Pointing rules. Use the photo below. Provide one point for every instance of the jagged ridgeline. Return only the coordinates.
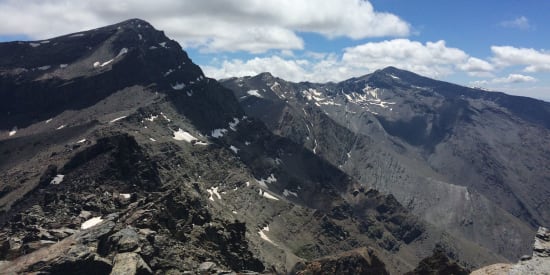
(118, 156)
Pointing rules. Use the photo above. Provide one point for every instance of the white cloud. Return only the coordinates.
(432, 59)
(514, 78)
(521, 23)
(510, 79)
(534, 60)
(477, 67)
(231, 25)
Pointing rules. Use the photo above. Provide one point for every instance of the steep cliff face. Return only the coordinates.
(118, 155)
(465, 160)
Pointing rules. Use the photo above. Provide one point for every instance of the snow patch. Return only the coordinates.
(270, 179)
(213, 191)
(165, 117)
(122, 52)
(152, 139)
(247, 143)
(178, 86)
(152, 118)
(77, 35)
(117, 119)
(152, 48)
(287, 193)
(61, 127)
(57, 179)
(91, 222)
(63, 66)
(266, 194)
(43, 68)
(140, 36)
(163, 44)
(234, 149)
(264, 236)
(81, 141)
(233, 125)
(218, 133)
(48, 121)
(34, 45)
(13, 131)
(168, 72)
(254, 93)
(183, 135)
(125, 195)
(393, 76)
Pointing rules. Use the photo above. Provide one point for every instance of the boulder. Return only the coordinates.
(125, 240)
(130, 264)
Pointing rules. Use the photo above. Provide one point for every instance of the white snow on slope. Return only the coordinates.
(183, 135)
(286, 193)
(34, 45)
(57, 179)
(61, 127)
(91, 222)
(270, 179)
(178, 86)
(218, 133)
(152, 118)
(393, 76)
(266, 194)
(233, 125)
(168, 72)
(213, 191)
(13, 131)
(254, 93)
(165, 117)
(234, 149)
(117, 119)
(264, 236)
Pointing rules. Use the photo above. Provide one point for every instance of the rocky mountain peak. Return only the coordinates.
(106, 59)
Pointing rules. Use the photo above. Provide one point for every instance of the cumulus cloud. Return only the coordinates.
(534, 60)
(510, 79)
(520, 23)
(248, 25)
(514, 78)
(477, 67)
(432, 59)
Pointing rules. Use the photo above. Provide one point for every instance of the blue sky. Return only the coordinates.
(498, 45)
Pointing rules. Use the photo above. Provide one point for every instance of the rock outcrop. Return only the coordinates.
(359, 261)
(536, 264)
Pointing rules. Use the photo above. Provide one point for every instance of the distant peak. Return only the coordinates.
(134, 22)
(265, 76)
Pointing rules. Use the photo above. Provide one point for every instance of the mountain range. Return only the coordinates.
(120, 156)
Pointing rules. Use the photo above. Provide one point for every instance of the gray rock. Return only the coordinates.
(541, 247)
(130, 264)
(125, 240)
(206, 266)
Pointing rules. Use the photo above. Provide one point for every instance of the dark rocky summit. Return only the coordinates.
(118, 156)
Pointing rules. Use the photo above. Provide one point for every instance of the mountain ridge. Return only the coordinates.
(157, 168)
(415, 130)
